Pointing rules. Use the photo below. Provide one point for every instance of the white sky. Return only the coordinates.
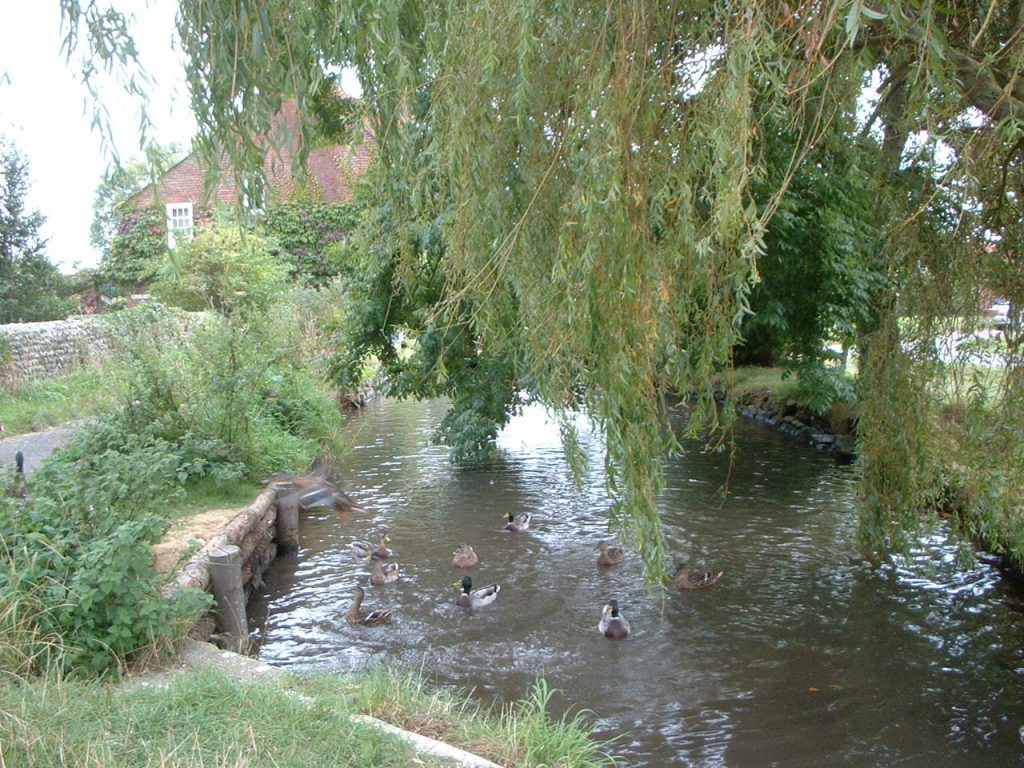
(44, 111)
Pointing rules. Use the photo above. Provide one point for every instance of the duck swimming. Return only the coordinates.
(378, 551)
(475, 598)
(612, 624)
(356, 614)
(465, 557)
(520, 522)
(609, 555)
(686, 580)
(384, 573)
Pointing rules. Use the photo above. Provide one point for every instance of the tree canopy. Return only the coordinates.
(31, 287)
(587, 187)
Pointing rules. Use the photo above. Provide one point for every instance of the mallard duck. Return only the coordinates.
(384, 573)
(609, 555)
(378, 551)
(612, 624)
(356, 614)
(517, 523)
(475, 598)
(465, 557)
(19, 486)
(686, 580)
(314, 491)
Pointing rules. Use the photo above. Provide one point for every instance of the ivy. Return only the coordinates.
(308, 233)
(137, 248)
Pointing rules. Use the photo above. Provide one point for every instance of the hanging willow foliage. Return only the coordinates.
(591, 164)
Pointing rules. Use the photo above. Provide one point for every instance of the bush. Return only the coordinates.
(79, 549)
(225, 268)
(211, 397)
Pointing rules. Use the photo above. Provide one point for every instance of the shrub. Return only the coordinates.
(225, 268)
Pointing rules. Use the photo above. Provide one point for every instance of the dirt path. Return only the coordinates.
(188, 534)
(36, 446)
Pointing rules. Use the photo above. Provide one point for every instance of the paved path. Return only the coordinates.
(36, 445)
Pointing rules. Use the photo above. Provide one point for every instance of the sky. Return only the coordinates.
(45, 112)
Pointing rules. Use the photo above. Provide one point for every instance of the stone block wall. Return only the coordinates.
(43, 350)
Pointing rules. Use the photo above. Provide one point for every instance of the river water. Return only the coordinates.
(803, 655)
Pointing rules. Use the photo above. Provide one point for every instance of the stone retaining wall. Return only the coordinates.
(836, 436)
(43, 350)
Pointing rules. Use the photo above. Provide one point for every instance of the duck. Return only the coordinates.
(384, 573)
(613, 624)
(609, 555)
(475, 598)
(311, 492)
(686, 580)
(464, 557)
(378, 551)
(356, 615)
(19, 486)
(520, 522)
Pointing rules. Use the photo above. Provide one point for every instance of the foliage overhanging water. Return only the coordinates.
(803, 655)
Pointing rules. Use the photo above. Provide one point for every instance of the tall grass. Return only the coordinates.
(522, 734)
(207, 719)
(27, 647)
(82, 393)
(200, 720)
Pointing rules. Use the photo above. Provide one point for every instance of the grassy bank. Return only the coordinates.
(40, 404)
(974, 482)
(208, 719)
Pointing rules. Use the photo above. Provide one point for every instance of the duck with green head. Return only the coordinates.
(475, 598)
(613, 624)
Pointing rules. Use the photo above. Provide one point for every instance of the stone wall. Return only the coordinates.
(43, 350)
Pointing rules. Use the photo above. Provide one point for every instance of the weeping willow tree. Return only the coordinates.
(588, 168)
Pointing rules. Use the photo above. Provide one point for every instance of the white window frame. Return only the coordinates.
(180, 223)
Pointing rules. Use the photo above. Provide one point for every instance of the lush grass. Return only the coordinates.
(207, 719)
(45, 403)
(207, 494)
(521, 735)
(749, 378)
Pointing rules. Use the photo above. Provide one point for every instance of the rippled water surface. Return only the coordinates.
(803, 655)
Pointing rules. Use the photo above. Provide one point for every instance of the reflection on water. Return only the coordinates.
(803, 655)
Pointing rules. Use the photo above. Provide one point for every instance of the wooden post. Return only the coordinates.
(288, 524)
(226, 578)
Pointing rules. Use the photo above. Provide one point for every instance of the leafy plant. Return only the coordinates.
(136, 250)
(307, 232)
(225, 268)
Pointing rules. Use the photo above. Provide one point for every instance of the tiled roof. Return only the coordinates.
(331, 170)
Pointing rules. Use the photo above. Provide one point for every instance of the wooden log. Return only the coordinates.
(288, 524)
(225, 567)
(259, 514)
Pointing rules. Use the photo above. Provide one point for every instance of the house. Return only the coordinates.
(332, 172)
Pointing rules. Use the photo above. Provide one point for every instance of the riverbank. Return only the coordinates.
(203, 715)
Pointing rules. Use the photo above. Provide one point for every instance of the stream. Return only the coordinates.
(805, 654)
